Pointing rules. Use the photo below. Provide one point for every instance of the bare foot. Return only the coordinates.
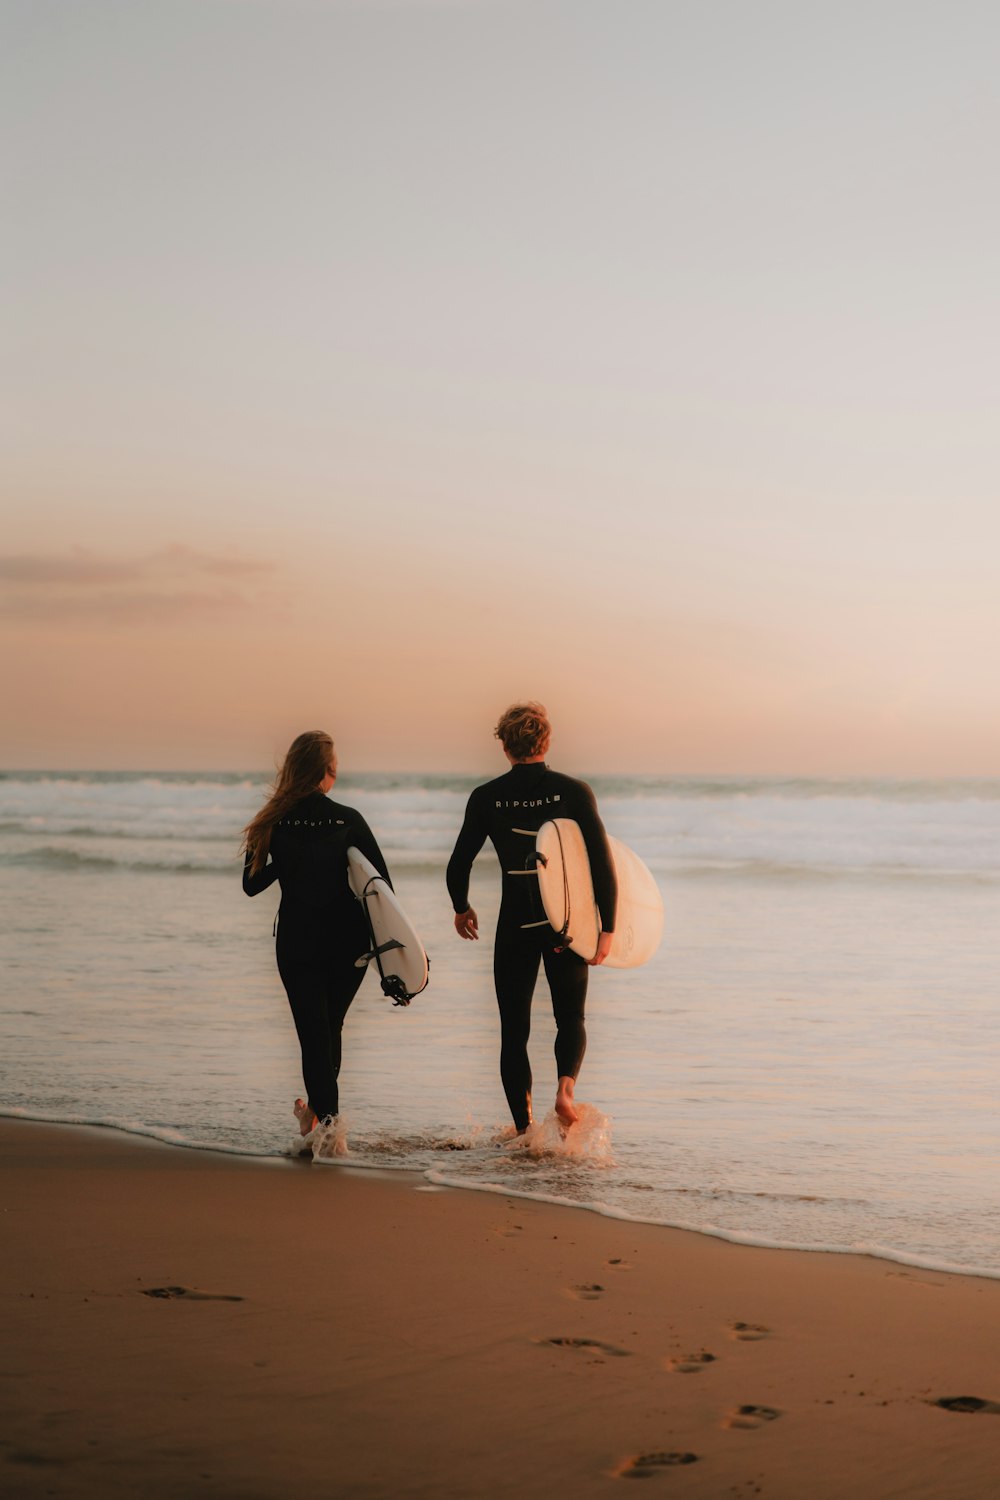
(307, 1120)
(564, 1102)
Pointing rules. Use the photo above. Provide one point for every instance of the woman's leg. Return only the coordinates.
(306, 990)
(319, 1002)
(342, 984)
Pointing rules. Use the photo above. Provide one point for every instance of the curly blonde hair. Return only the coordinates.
(524, 730)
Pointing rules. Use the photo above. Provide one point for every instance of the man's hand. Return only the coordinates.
(603, 948)
(467, 925)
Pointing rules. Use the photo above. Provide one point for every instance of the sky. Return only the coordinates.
(370, 364)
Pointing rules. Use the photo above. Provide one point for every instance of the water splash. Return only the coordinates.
(328, 1141)
(588, 1140)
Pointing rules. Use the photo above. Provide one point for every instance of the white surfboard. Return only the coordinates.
(396, 949)
(568, 896)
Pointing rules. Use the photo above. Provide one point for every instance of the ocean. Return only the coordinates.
(811, 1060)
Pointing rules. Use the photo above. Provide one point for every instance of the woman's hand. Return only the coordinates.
(603, 948)
(467, 925)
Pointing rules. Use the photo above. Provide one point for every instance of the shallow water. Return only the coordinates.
(811, 1059)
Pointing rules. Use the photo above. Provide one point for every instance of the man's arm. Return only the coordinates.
(470, 840)
(602, 866)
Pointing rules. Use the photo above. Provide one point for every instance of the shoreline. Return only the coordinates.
(438, 1178)
(368, 1333)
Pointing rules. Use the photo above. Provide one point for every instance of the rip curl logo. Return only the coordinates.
(532, 802)
(307, 823)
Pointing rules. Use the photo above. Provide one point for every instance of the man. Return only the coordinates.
(509, 811)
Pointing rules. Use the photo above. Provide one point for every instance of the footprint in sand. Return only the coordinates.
(645, 1465)
(189, 1293)
(36, 1460)
(595, 1344)
(748, 1333)
(969, 1404)
(747, 1418)
(914, 1280)
(587, 1291)
(690, 1364)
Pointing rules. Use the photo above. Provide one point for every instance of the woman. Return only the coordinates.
(300, 838)
(509, 811)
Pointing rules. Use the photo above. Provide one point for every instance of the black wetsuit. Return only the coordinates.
(509, 811)
(321, 929)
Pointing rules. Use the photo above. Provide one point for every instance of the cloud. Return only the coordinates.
(187, 559)
(85, 567)
(175, 585)
(79, 568)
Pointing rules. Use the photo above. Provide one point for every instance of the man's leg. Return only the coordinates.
(515, 969)
(567, 974)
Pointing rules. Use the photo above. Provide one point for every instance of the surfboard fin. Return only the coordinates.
(392, 985)
(366, 958)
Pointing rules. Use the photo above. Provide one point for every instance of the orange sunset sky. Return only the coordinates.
(369, 365)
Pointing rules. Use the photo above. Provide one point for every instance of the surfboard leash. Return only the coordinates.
(531, 863)
(531, 868)
(564, 931)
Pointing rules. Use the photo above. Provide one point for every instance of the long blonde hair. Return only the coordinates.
(310, 757)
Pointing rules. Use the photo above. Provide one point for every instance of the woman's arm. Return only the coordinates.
(363, 839)
(254, 884)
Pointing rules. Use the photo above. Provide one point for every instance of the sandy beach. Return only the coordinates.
(179, 1323)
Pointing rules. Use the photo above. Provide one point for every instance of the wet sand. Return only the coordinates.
(180, 1324)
